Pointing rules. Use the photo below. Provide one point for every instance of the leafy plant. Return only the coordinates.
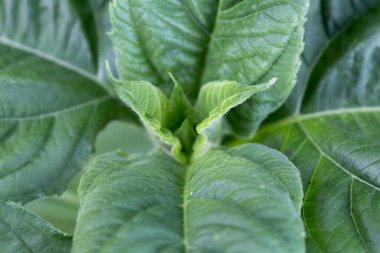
(201, 77)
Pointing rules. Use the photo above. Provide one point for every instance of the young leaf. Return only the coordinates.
(334, 142)
(22, 231)
(203, 41)
(180, 108)
(152, 107)
(214, 101)
(250, 200)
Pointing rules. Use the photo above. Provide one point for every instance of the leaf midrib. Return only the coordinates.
(297, 118)
(331, 159)
(64, 64)
(300, 118)
(57, 112)
(330, 40)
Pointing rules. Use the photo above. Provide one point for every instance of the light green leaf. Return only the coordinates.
(203, 41)
(231, 200)
(152, 107)
(334, 138)
(214, 101)
(22, 231)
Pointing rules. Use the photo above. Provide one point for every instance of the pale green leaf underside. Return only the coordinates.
(337, 153)
(251, 200)
(22, 231)
(203, 41)
(49, 117)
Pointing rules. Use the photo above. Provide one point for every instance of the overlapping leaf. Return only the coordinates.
(335, 140)
(199, 41)
(22, 231)
(249, 201)
(188, 130)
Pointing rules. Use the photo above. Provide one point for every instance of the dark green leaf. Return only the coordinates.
(334, 138)
(325, 50)
(50, 108)
(231, 200)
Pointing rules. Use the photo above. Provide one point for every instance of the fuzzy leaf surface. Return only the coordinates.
(249, 201)
(22, 231)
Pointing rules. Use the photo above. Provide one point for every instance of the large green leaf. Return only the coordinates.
(50, 108)
(51, 27)
(94, 16)
(334, 141)
(22, 231)
(326, 20)
(250, 201)
(203, 41)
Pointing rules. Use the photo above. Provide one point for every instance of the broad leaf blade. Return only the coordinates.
(333, 136)
(22, 231)
(337, 153)
(49, 118)
(326, 20)
(203, 41)
(50, 27)
(150, 204)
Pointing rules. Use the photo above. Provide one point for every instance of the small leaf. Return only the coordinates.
(214, 101)
(152, 106)
(232, 200)
(180, 107)
(22, 231)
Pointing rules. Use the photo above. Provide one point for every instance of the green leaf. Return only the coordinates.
(50, 108)
(337, 153)
(214, 101)
(329, 45)
(152, 107)
(22, 231)
(180, 108)
(53, 28)
(204, 41)
(232, 200)
(333, 139)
